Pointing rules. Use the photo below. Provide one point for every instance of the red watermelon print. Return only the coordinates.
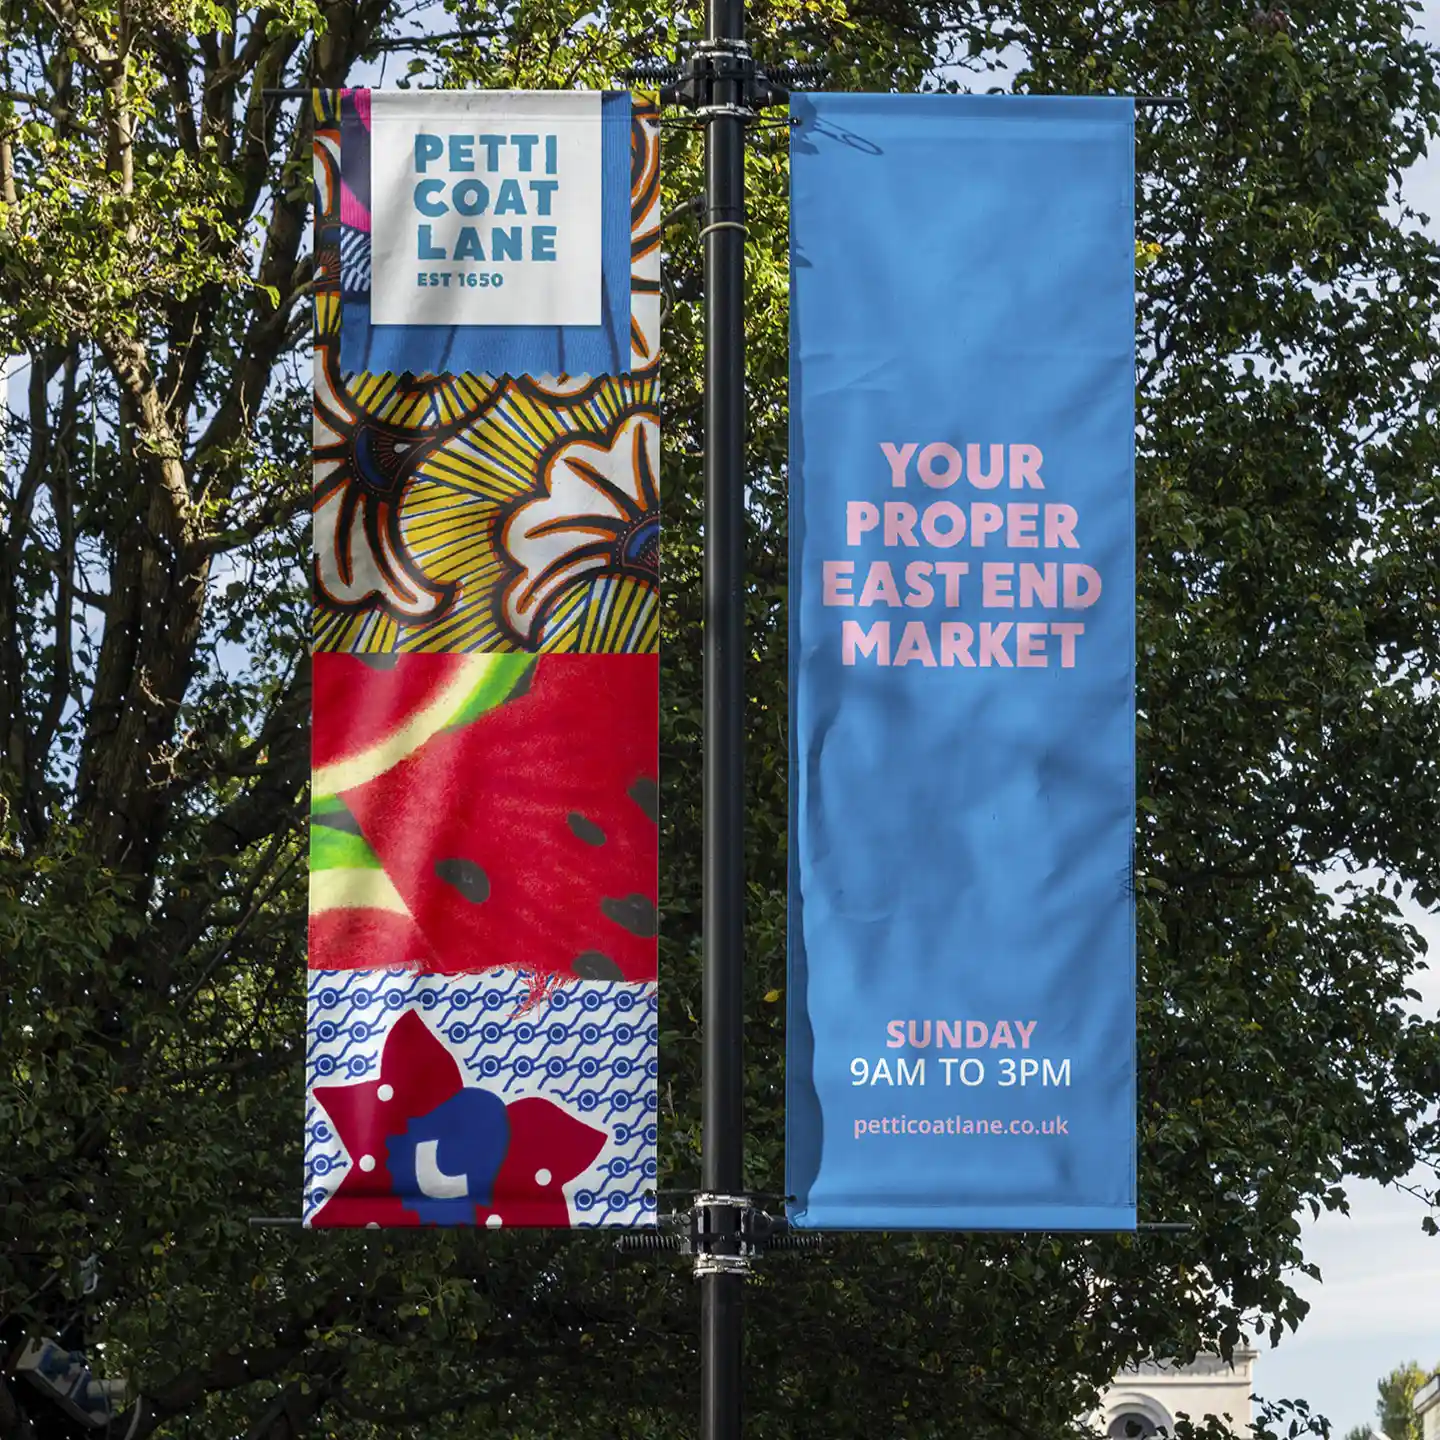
(370, 711)
(362, 700)
(527, 837)
(356, 937)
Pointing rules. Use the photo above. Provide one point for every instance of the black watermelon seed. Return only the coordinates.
(378, 661)
(467, 877)
(592, 965)
(586, 830)
(635, 913)
(646, 794)
(336, 820)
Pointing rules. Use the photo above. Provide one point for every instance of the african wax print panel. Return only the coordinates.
(482, 1044)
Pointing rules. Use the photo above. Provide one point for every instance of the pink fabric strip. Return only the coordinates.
(352, 213)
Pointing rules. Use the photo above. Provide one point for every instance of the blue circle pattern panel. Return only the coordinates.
(590, 1048)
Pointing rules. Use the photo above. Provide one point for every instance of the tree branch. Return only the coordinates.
(278, 512)
(62, 505)
(18, 748)
(170, 510)
(223, 1373)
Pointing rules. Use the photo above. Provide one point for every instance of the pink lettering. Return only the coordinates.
(995, 579)
(899, 458)
(952, 570)
(985, 479)
(1067, 634)
(835, 574)
(1020, 527)
(1039, 585)
(857, 641)
(915, 645)
(1025, 463)
(880, 585)
(1075, 597)
(985, 519)
(992, 644)
(1060, 527)
(1030, 645)
(900, 523)
(922, 592)
(939, 479)
(860, 517)
(930, 523)
(956, 638)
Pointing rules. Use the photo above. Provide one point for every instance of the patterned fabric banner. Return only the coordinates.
(483, 842)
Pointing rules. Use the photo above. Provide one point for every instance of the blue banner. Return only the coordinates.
(961, 1051)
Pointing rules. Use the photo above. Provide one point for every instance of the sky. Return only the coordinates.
(1378, 1305)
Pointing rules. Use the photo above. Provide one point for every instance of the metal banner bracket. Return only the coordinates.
(724, 1234)
(726, 65)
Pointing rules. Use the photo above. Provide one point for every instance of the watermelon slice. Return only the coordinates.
(368, 711)
(355, 937)
(357, 918)
(527, 837)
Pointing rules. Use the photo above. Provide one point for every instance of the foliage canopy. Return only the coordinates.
(154, 268)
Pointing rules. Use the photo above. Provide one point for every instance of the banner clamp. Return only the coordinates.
(728, 63)
(715, 1248)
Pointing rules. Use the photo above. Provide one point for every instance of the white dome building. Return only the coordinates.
(1427, 1407)
(1144, 1401)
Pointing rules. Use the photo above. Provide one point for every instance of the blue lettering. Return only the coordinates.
(544, 189)
(425, 249)
(550, 148)
(427, 148)
(506, 244)
(424, 204)
(462, 152)
(542, 242)
(467, 244)
(471, 197)
(525, 144)
(492, 144)
(510, 201)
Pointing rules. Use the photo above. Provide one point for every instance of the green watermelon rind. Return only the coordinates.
(332, 849)
(494, 686)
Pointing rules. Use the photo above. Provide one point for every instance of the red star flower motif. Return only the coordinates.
(425, 1148)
